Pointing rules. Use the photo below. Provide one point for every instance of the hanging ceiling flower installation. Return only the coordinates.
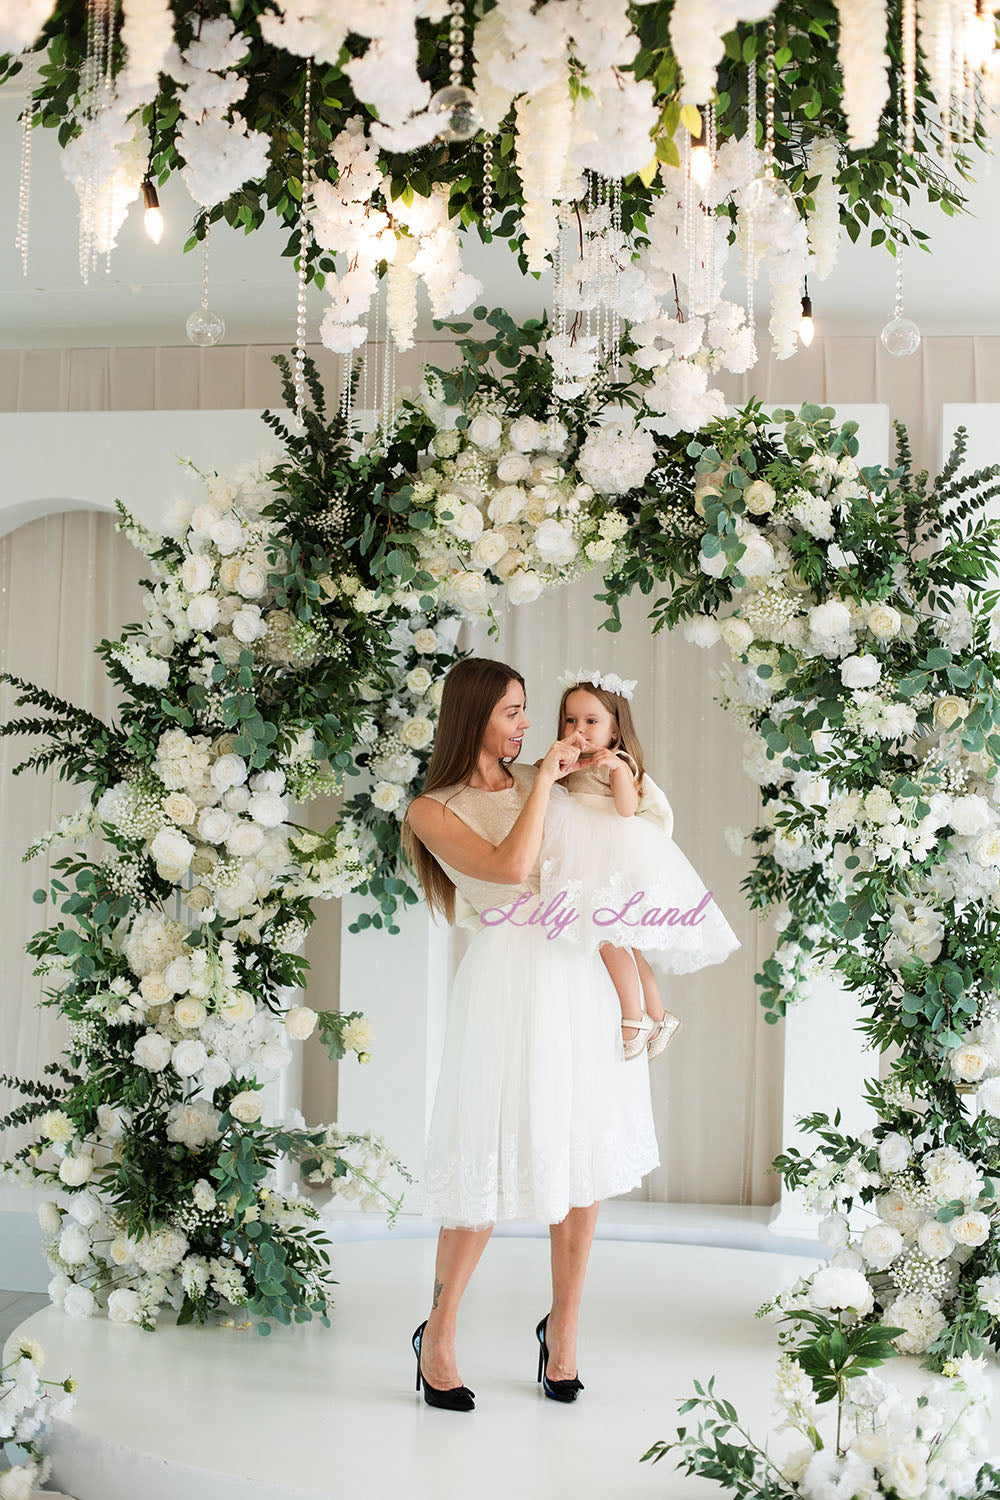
(657, 157)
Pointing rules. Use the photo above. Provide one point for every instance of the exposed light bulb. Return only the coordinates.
(387, 244)
(979, 39)
(152, 218)
(701, 165)
(807, 328)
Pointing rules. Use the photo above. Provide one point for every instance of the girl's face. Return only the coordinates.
(507, 723)
(586, 718)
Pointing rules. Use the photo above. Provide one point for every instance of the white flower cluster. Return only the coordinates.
(512, 514)
(929, 1446)
(28, 1404)
(526, 55)
(106, 162)
(398, 737)
(220, 154)
(823, 224)
(864, 63)
(697, 28)
(345, 220)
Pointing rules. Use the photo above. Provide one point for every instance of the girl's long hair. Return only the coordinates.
(472, 690)
(625, 737)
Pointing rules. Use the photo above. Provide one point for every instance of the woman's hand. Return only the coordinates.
(560, 758)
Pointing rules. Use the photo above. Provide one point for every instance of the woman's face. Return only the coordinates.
(586, 718)
(507, 724)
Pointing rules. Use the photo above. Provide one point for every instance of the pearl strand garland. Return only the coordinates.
(24, 172)
(456, 42)
(303, 274)
(751, 247)
(769, 101)
(487, 180)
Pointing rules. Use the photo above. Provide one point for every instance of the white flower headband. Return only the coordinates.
(610, 682)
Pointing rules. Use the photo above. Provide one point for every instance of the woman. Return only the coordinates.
(534, 1115)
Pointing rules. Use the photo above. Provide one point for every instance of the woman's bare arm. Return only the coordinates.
(506, 863)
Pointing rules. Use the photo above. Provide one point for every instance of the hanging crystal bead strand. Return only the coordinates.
(909, 51)
(24, 173)
(107, 97)
(304, 238)
(748, 209)
(616, 321)
(204, 327)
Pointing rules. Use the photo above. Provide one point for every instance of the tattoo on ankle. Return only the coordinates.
(438, 1289)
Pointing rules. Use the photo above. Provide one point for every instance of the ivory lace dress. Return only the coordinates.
(600, 862)
(535, 1113)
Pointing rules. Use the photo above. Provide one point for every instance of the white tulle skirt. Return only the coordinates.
(628, 884)
(535, 1112)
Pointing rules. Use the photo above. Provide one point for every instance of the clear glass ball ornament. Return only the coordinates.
(768, 191)
(900, 337)
(204, 327)
(458, 110)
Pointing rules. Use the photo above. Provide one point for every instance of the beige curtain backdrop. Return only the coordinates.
(69, 580)
(66, 582)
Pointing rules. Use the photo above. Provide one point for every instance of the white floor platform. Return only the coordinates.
(218, 1414)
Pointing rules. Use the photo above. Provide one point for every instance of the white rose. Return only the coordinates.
(512, 466)
(245, 1107)
(228, 771)
(758, 558)
(267, 809)
(189, 1057)
(489, 549)
(123, 1305)
(203, 518)
(986, 849)
(227, 534)
(214, 824)
(702, 630)
(883, 621)
(948, 709)
(248, 624)
(523, 586)
(894, 1152)
(525, 435)
(425, 640)
(244, 839)
(759, 497)
(203, 612)
(152, 1051)
(935, 1240)
(737, 634)
(120, 1251)
(434, 693)
(239, 1008)
(469, 591)
(386, 796)
(969, 814)
(215, 1074)
(300, 1022)
(179, 808)
(860, 671)
(833, 1231)
(418, 680)
(905, 1470)
(880, 1245)
(251, 580)
(969, 1062)
(78, 1302)
(74, 1171)
(715, 565)
(971, 1228)
(237, 799)
(189, 1013)
(197, 573)
(417, 733)
(506, 505)
(172, 849)
(485, 430)
(988, 1096)
(466, 523)
(555, 542)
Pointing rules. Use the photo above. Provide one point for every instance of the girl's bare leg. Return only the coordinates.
(650, 988)
(620, 965)
(571, 1240)
(458, 1255)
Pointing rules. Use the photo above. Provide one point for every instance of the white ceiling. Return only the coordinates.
(151, 289)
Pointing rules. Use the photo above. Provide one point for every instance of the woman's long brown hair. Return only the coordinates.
(621, 715)
(472, 690)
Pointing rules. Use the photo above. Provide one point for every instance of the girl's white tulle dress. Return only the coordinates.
(626, 880)
(535, 1113)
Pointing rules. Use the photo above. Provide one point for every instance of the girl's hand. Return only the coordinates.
(560, 758)
(607, 758)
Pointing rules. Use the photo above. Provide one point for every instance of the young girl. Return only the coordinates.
(609, 854)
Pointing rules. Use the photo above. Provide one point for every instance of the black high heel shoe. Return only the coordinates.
(457, 1398)
(559, 1390)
